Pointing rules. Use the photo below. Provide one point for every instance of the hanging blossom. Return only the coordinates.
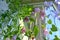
(24, 37)
(26, 19)
(56, 1)
(23, 30)
(14, 37)
(21, 22)
(48, 3)
(56, 15)
(58, 4)
(45, 3)
(45, 31)
(32, 13)
(59, 7)
(33, 39)
(37, 10)
(42, 14)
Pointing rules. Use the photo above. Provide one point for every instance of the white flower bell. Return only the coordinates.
(21, 22)
(25, 38)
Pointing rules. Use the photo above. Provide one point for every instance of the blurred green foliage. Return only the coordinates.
(50, 32)
(34, 31)
(15, 12)
(54, 28)
(56, 38)
(49, 21)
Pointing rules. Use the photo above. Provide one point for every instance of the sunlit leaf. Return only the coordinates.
(35, 30)
(50, 32)
(56, 38)
(32, 19)
(54, 28)
(28, 32)
(30, 9)
(43, 26)
(49, 21)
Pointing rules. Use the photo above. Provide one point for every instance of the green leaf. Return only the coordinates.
(43, 26)
(35, 30)
(54, 28)
(28, 33)
(30, 9)
(49, 21)
(18, 38)
(50, 32)
(0, 25)
(44, 38)
(56, 38)
(32, 19)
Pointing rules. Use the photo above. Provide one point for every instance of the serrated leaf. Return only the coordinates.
(49, 21)
(54, 28)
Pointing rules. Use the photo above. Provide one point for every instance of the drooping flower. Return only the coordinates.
(25, 38)
(45, 32)
(55, 13)
(32, 13)
(26, 19)
(45, 3)
(42, 14)
(21, 22)
(58, 17)
(59, 7)
(14, 37)
(33, 38)
(56, 1)
(23, 30)
(48, 3)
(37, 9)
